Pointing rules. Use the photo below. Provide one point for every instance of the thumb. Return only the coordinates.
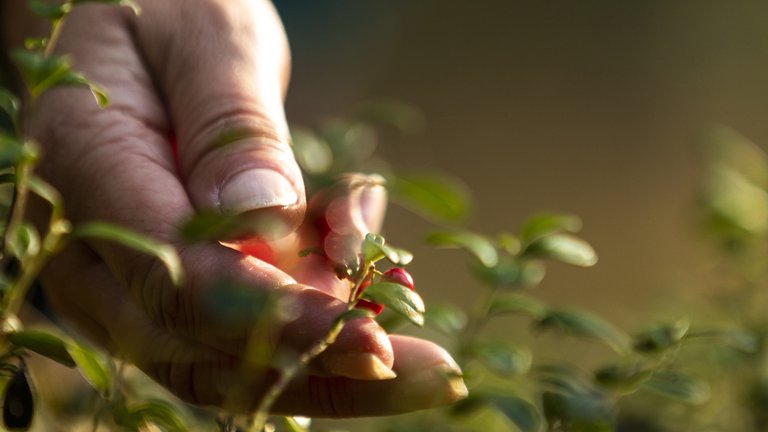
(223, 71)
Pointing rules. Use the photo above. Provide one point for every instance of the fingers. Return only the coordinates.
(115, 165)
(337, 220)
(427, 377)
(223, 67)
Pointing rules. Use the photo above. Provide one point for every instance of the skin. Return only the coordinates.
(213, 74)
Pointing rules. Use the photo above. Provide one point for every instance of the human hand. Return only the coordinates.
(212, 74)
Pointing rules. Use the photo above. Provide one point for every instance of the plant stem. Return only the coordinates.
(477, 320)
(18, 290)
(56, 26)
(19, 204)
(287, 374)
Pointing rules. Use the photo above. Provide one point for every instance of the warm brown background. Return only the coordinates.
(589, 107)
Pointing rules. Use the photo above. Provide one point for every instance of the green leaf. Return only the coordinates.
(296, 424)
(519, 411)
(734, 203)
(435, 197)
(584, 411)
(447, 318)
(24, 240)
(9, 104)
(45, 191)
(44, 343)
(207, 226)
(741, 340)
(351, 143)
(517, 304)
(401, 115)
(588, 325)
(502, 358)
(96, 368)
(399, 298)
(159, 413)
(353, 314)
(52, 12)
(41, 73)
(33, 44)
(726, 147)
(564, 248)
(312, 153)
(471, 404)
(38, 71)
(511, 272)
(477, 245)
(375, 248)
(626, 378)
(679, 387)
(126, 3)
(78, 79)
(11, 150)
(561, 378)
(133, 240)
(661, 337)
(541, 225)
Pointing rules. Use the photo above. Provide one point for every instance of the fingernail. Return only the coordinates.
(256, 189)
(373, 204)
(434, 387)
(362, 366)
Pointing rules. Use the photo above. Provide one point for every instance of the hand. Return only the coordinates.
(212, 74)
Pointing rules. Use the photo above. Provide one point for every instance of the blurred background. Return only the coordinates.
(589, 107)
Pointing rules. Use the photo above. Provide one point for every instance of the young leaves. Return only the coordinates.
(9, 104)
(584, 324)
(517, 304)
(446, 318)
(564, 248)
(519, 411)
(502, 358)
(678, 387)
(399, 298)
(94, 367)
(545, 224)
(374, 248)
(41, 72)
(133, 240)
(433, 196)
(52, 12)
(156, 412)
(44, 343)
(476, 245)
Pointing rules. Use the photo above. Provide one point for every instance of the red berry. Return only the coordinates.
(371, 306)
(399, 276)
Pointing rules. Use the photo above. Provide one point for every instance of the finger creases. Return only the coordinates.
(224, 94)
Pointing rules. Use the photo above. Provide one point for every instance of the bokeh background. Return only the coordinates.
(590, 107)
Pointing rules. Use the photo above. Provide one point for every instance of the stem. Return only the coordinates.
(287, 374)
(19, 204)
(18, 290)
(56, 29)
(477, 321)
